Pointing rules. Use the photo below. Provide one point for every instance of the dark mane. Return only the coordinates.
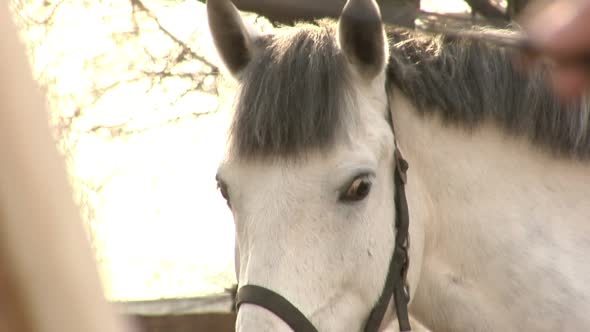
(291, 95)
(468, 82)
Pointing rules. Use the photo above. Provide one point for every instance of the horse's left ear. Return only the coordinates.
(362, 38)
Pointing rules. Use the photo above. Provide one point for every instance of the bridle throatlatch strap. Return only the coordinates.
(395, 282)
(276, 304)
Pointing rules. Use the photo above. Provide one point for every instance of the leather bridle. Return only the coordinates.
(395, 282)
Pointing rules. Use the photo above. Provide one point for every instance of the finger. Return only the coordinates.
(569, 82)
(524, 61)
(560, 28)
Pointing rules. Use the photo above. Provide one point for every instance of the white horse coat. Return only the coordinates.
(497, 187)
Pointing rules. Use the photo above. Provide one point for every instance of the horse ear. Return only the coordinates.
(230, 35)
(362, 38)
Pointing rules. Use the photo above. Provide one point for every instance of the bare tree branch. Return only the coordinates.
(47, 19)
(142, 7)
(123, 129)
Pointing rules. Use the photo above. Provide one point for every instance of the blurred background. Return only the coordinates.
(139, 103)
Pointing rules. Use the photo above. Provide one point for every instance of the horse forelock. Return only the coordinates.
(294, 95)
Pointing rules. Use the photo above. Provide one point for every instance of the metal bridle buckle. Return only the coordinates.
(406, 267)
(407, 291)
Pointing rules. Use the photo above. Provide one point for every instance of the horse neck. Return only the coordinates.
(497, 195)
(484, 165)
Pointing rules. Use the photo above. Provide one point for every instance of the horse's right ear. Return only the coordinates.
(362, 38)
(231, 38)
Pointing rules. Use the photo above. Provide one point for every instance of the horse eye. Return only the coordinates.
(357, 190)
(222, 187)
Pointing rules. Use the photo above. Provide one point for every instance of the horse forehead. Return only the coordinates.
(352, 150)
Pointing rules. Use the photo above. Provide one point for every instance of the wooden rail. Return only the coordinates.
(203, 314)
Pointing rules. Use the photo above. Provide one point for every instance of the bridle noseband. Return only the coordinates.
(395, 282)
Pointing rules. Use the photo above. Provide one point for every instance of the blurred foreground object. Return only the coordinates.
(561, 30)
(48, 279)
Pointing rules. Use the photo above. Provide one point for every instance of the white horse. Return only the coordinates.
(497, 188)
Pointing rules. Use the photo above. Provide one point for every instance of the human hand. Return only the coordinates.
(561, 32)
